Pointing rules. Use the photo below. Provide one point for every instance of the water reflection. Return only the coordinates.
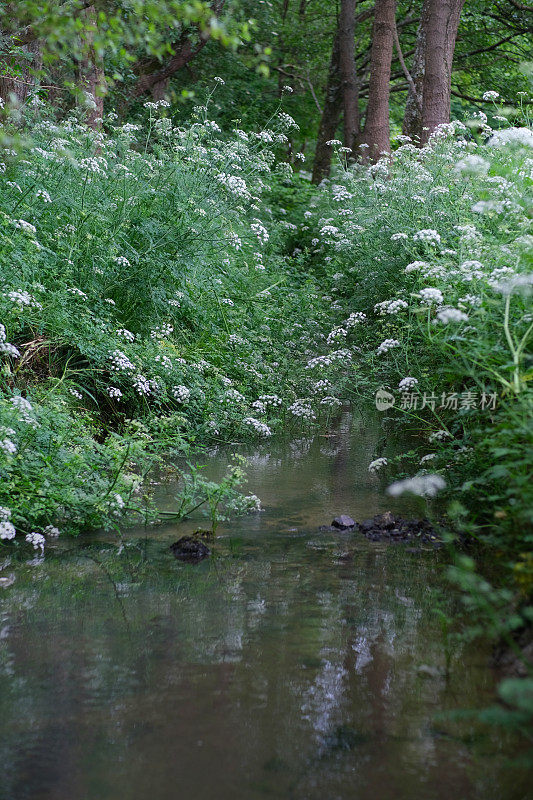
(275, 669)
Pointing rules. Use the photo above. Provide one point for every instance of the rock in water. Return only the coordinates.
(388, 526)
(343, 522)
(188, 548)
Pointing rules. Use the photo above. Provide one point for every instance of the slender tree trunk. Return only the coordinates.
(442, 24)
(377, 125)
(281, 46)
(349, 85)
(330, 116)
(91, 76)
(412, 121)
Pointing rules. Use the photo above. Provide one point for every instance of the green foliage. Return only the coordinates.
(145, 304)
(434, 250)
(218, 500)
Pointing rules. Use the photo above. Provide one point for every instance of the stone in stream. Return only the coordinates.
(389, 526)
(189, 548)
(343, 522)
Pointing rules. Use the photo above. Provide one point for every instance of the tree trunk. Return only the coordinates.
(412, 121)
(442, 24)
(14, 90)
(330, 116)
(349, 85)
(377, 125)
(91, 75)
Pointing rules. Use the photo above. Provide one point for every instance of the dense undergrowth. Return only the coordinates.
(165, 285)
(430, 253)
(146, 305)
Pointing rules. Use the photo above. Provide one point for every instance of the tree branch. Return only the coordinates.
(406, 72)
(186, 53)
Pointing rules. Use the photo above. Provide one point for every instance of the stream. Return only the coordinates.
(293, 664)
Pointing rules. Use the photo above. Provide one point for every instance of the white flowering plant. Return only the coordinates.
(441, 291)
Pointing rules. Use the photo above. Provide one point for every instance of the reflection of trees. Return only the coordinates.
(277, 670)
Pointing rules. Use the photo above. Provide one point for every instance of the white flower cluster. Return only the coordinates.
(336, 334)
(234, 241)
(407, 383)
(233, 396)
(330, 400)
(234, 184)
(471, 269)
(181, 393)
(7, 529)
(25, 409)
(447, 315)
(427, 235)
(421, 485)
(322, 386)
(23, 299)
(470, 300)
(329, 230)
(258, 426)
(390, 307)
(386, 345)
(522, 284)
(302, 408)
(378, 464)
(438, 436)
(287, 121)
(95, 164)
(6, 443)
(5, 346)
(120, 362)
(270, 399)
(355, 318)
(472, 165)
(142, 385)
(512, 136)
(113, 392)
(336, 356)
(42, 193)
(431, 295)
(260, 231)
(22, 225)
(37, 540)
(77, 292)
(160, 103)
(162, 331)
(165, 361)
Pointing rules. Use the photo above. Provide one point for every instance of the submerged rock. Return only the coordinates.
(342, 522)
(389, 526)
(189, 548)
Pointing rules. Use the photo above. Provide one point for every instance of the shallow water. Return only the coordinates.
(292, 664)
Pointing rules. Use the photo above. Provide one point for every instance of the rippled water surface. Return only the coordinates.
(292, 664)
